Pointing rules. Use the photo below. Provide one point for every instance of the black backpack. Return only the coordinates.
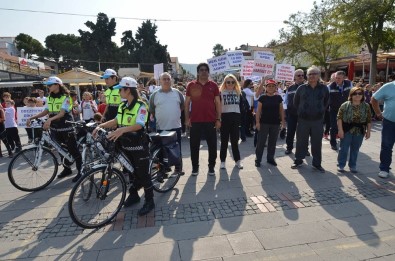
(244, 105)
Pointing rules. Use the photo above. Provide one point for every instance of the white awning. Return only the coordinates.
(16, 84)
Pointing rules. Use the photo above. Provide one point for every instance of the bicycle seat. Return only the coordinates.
(165, 137)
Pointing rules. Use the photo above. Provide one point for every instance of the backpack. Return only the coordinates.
(244, 105)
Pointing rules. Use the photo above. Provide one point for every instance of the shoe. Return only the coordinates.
(65, 172)
(272, 162)
(147, 207)
(239, 164)
(222, 166)
(353, 170)
(131, 200)
(283, 133)
(384, 174)
(18, 149)
(176, 173)
(287, 152)
(167, 169)
(10, 154)
(195, 171)
(211, 171)
(334, 147)
(319, 168)
(77, 177)
(296, 164)
(340, 169)
(308, 154)
(257, 164)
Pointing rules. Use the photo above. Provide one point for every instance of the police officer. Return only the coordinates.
(58, 108)
(338, 92)
(113, 99)
(130, 121)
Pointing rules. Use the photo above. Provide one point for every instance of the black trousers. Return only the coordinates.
(230, 129)
(196, 132)
(292, 122)
(314, 131)
(3, 137)
(68, 140)
(270, 132)
(327, 122)
(13, 137)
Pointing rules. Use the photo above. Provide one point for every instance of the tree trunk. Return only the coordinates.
(373, 67)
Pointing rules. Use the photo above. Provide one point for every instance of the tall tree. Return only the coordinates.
(366, 22)
(218, 50)
(96, 43)
(29, 44)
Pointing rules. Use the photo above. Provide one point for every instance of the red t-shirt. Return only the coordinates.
(101, 108)
(203, 101)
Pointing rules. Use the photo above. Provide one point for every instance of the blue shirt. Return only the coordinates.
(387, 94)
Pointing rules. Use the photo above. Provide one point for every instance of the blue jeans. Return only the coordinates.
(352, 143)
(387, 143)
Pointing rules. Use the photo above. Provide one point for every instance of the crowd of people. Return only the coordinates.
(307, 108)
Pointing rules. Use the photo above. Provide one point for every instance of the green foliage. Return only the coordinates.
(29, 44)
(218, 50)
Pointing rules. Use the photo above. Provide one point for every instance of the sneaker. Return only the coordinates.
(18, 149)
(287, 152)
(211, 171)
(296, 164)
(383, 174)
(195, 171)
(222, 166)
(257, 164)
(334, 147)
(353, 170)
(272, 162)
(65, 172)
(131, 200)
(340, 169)
(77, 177)
(176, 173)
(319, 168)
(147, 207)
(239, 164)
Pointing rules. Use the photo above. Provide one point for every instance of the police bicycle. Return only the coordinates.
(98, 196)
(35, 167)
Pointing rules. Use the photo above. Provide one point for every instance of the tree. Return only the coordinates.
(366, 22)
(218, 50)
(96, 43)
(29, 44)
(309, 36)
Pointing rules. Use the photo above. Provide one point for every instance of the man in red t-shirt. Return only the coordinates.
(203, 115)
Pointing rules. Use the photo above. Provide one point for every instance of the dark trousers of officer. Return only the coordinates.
(292, 122)
(68, 139)
(196, 132)
(334, 130)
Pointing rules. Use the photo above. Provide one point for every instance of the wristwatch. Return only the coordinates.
(218, 120)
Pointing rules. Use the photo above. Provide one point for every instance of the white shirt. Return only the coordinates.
(249, 96)
(88, 109)
(10, 121)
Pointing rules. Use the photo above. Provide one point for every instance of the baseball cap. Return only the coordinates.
(126, 82)
(270, 81)
(53, 80)
(108, 73)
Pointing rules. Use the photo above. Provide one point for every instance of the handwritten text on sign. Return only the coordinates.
(218, 64)
(285, 72)
(259, 55)
(235, 58)
(246, 68)
(263, 68)
(26, 112)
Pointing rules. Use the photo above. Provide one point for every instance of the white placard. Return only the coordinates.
(23, 113)
(285, 72)
(263, 68)
(247, 67)
(235, 58)
(260, 55)
(218, 64)
(253, 78)
(158, 70)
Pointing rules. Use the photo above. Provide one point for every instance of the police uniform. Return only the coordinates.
(113, 99)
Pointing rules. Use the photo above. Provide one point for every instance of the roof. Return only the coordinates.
(81, 77)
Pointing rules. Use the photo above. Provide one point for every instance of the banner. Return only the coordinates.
(158, 70)
(263, 68)
(235, 58)
(255, 79)
(23, 113)
(246, 68)
(218, 64)
(260, 55)
(31, 64)
(285, 72)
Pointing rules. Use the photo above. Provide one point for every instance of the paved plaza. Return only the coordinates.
(266, 213)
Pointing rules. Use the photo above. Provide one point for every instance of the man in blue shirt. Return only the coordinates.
(386, 94)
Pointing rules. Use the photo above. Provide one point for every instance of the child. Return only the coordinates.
(3, 134)
(88, 107)
(29, 102)
(11, 126)
(97, 117)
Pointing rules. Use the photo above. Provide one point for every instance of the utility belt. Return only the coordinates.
(113, 105)
(65, 129)
(348, 126)
(134, 141)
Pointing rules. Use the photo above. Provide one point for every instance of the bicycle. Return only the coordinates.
(34, 168)
(98, 196)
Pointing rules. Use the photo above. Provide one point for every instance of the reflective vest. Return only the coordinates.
(128, 116)
(54, 107)
(112, 97)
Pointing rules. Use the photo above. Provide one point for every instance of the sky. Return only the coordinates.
(190, 29)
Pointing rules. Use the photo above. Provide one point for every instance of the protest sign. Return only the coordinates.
(235, 58)
(158, 70)
(260, 55)
(284, 72)
(263, 68)
(218, 64)
(253, 78)
(247, 67)
(23, 113)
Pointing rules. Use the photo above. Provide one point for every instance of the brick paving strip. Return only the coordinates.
(201, 211)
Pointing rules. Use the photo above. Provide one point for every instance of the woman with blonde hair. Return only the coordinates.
(230, 92)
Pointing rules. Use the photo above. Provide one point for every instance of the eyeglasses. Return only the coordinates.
(357, 93)
(299, 75)
(312, 74)
(230, 82)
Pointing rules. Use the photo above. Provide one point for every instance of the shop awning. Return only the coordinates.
(16, 84)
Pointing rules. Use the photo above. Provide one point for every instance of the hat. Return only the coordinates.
(270, 81)
(126, 82)
(53, 80)
(108, 73)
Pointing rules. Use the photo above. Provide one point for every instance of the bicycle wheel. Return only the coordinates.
(162, 181)
(27, 174)
(91, 203)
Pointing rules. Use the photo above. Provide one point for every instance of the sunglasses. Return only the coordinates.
(357, 93)
(230, 82)
(299, 75)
